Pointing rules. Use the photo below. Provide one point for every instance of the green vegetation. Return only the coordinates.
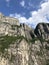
(47, 63)
(33, 40)
(5, 41)
(43, 40)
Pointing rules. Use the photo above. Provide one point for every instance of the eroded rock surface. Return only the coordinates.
(22, 45)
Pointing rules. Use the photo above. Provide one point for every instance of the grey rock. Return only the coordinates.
(23, 45)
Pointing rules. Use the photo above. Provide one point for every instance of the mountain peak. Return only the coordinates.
(42, 30)
(22, 45)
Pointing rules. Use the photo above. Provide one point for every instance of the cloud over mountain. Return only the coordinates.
(41, 15)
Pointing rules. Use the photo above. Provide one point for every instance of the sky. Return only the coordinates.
(30, 12)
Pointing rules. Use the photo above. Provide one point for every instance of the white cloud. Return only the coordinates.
(15, 15)
(7, 0)
(22, 3)
(42, 15)
(21, 19)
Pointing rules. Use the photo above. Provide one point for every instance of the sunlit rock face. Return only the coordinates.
(9, 20)
(11, 26)
(23, 53)
(22, 45)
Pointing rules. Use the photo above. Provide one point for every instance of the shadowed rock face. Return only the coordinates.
(22, 45)
(42, 30)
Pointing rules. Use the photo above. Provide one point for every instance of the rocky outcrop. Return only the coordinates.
(42, 30)
(22, 52)
(22, 45)
(9, 20)
(12, 27)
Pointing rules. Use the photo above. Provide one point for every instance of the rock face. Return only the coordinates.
(12, 27)
(22, 45)
(42, 30)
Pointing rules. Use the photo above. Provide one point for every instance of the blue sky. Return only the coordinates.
(30, 12)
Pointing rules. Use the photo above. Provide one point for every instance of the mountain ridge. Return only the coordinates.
(22, 45)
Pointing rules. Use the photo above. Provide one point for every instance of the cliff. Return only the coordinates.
(42, 30)
(22, 45)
